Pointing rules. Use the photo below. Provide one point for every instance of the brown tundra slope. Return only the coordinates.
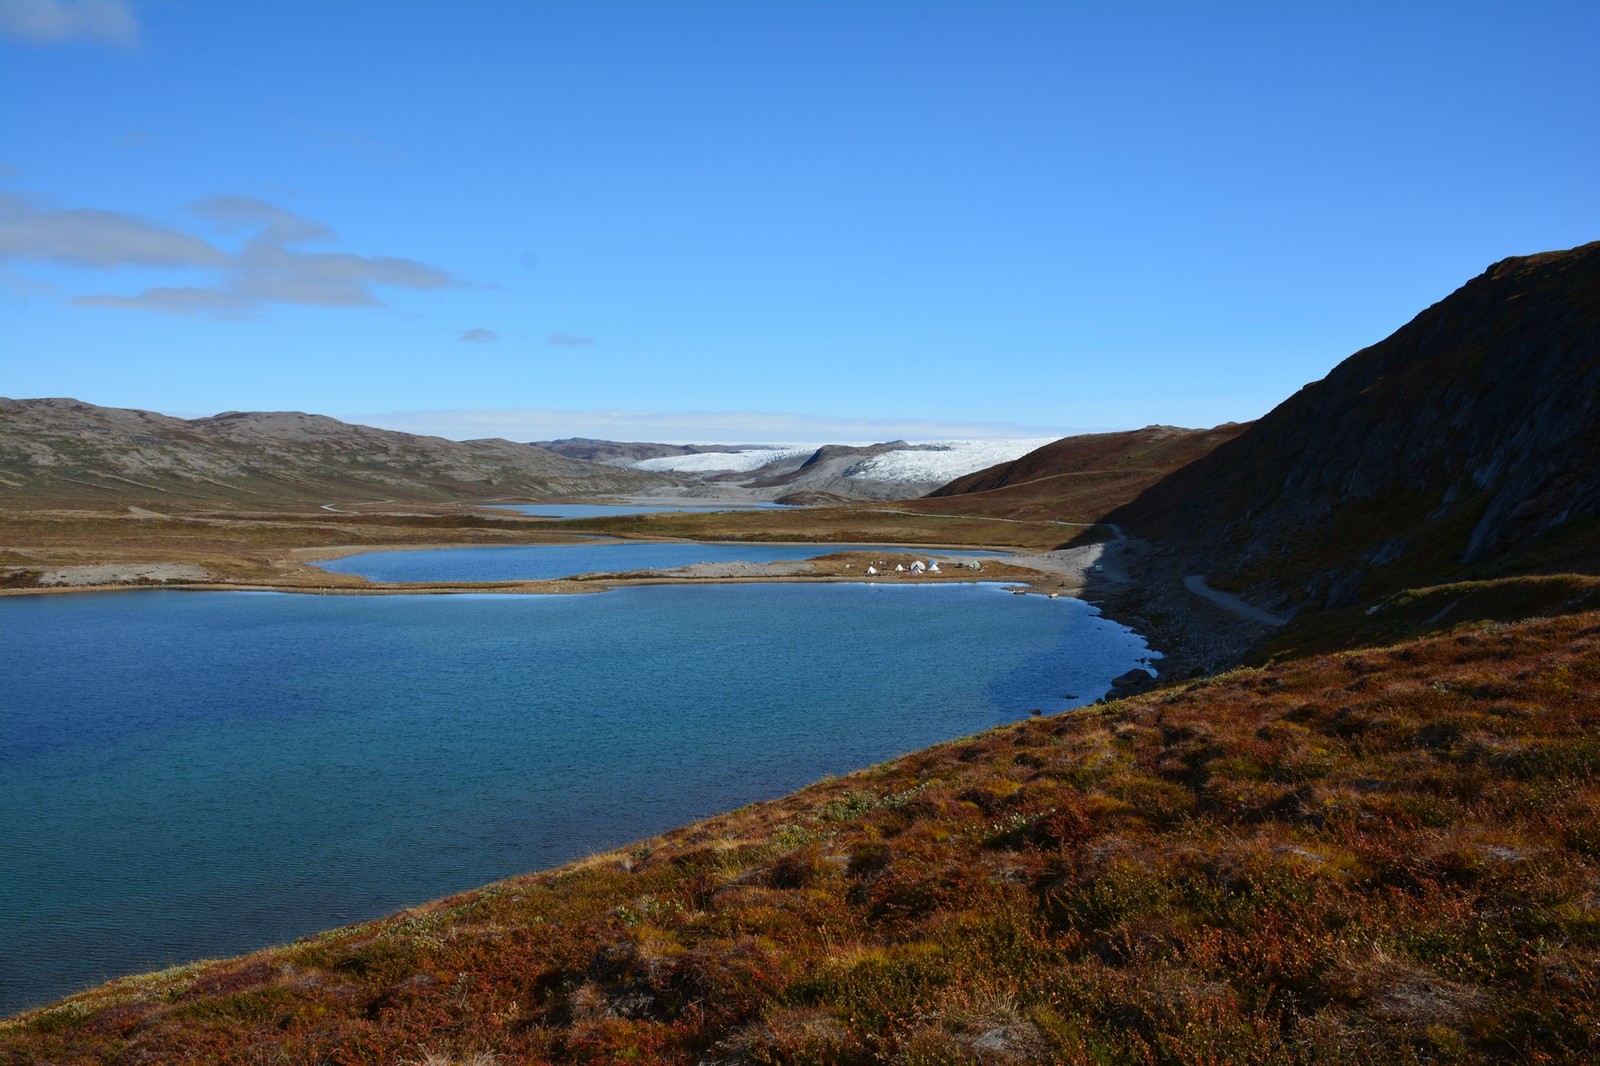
(1387, 856)
(1077, 479)
(64, 453)
(1466, 445)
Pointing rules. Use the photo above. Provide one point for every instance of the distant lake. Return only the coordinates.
(602, 510)
(187, 775)
(545, 562)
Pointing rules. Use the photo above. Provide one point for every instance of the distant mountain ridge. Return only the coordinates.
(1466, 444)
(63, 452)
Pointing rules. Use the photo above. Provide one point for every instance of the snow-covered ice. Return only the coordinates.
(718, 462)
(952, 459)
(948, 459)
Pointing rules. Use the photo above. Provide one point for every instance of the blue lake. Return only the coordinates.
(602, 510)
(544, 562)
(187, 775)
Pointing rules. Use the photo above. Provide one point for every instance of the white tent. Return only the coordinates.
(917, 567)
(933, 567)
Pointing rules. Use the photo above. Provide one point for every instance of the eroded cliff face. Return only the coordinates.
(1466, 444)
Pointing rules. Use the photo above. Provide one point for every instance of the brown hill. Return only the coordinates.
(1077, 479)
(65, 453)
(1463, 446)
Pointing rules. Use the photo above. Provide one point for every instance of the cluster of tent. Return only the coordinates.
(916, 567)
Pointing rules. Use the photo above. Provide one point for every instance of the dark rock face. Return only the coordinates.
(1130, 683)
(1449, 449)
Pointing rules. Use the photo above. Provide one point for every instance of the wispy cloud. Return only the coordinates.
(235, 213)
(176, 300)
(82, 237)
(479, 336)
(703, 427)
(265, 273)
(566, 340)
(263, 270)
(61, 21)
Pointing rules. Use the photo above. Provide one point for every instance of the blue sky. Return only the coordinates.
(763, 220)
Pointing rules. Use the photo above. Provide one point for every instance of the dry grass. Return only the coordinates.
(1387, 855)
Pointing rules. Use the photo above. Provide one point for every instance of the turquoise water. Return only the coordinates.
(187, 775)
(544, 562)
(602, 510)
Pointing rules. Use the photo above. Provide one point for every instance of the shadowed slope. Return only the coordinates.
(1462, 446)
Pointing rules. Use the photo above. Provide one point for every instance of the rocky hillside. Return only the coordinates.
(60, 452)
(1463, 446)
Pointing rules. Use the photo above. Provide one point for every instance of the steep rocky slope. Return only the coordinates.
(1464, 445)
(61, 452)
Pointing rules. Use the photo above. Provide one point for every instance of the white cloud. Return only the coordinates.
(60, 21)
(567, 340)
(263, 271)
(479, 336)
(694, 427)
(105, 239)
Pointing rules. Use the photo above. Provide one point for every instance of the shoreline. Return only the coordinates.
(1124, 579)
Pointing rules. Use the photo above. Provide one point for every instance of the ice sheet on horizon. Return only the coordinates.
(718, 462)
(952, 459)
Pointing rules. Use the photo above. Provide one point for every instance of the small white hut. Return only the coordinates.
(899, 569)
(917, 567)
(871, 570)
(933, 566)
